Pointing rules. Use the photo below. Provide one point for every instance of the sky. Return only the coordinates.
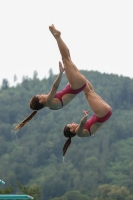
(98, 33)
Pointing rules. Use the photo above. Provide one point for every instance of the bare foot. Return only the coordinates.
(54, 31)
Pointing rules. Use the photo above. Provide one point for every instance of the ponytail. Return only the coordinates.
(25, 121)
(67, 133)
(66, 145)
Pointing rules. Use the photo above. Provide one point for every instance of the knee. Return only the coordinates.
(87, 93)
(87, 90)
(89, 85)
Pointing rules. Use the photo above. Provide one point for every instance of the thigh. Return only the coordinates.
(97, 104)
(75, 78)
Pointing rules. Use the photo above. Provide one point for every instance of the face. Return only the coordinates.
(72, 126)
(42, 98)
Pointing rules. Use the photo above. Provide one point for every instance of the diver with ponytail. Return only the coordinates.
(102, 112)
(56, 100)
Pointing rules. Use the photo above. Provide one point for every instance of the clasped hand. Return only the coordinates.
(85, 112)
(62, 69)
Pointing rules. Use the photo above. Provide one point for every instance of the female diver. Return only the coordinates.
(102, 112)
(56, 100)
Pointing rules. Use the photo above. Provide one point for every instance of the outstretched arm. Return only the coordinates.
(80, 128)
(55, 84)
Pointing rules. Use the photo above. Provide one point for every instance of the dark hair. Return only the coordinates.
(27, 119)
(34, 104)
(69, 135)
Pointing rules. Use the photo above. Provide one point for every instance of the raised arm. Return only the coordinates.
(80, 128)
(55, 84)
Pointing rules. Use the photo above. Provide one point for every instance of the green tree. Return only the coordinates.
(33, 191)
(5, 84)
(6, 190)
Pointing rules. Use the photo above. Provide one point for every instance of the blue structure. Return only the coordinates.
(2, 182)
(15, 197)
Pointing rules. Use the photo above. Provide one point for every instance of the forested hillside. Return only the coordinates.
(99, 167)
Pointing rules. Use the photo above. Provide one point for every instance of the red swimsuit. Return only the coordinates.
(94, 119)
(67, 90)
